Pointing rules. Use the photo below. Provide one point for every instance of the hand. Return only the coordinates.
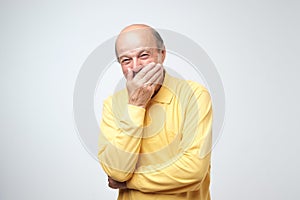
(116, 184)
(142, 86)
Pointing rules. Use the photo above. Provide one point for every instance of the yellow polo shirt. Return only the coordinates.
(162, 152)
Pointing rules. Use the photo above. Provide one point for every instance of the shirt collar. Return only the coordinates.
(164, 95)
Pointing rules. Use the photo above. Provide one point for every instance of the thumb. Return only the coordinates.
(129, 74)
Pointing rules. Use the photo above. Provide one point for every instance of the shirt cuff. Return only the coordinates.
(133, 120)
(136, 114)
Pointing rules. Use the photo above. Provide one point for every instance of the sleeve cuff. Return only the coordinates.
(136, 114)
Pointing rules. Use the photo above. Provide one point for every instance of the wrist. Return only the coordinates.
(136, 103)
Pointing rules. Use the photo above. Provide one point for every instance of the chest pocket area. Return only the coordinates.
(160, 149)
(161, 129)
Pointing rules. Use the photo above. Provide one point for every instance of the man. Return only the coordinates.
(155, 139)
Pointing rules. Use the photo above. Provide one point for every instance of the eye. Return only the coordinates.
(144, 55)
(125, 61)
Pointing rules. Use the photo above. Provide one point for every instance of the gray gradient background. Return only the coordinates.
(254, 45)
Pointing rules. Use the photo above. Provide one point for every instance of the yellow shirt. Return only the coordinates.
(162, 152)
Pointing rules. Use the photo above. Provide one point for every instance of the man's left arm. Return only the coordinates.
(192, 167)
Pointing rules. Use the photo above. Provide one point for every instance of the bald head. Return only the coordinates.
(137, 36)
(133, 27)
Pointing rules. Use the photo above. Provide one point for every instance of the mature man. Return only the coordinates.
(155, 139)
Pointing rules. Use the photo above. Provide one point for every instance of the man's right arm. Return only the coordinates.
(120, 140)
(122, 128)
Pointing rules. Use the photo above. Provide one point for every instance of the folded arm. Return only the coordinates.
(120, 140)
(192, 165)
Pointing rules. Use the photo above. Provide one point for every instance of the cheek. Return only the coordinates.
(124, 69)
(147, 61)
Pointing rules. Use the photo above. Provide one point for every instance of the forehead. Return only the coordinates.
(135, 40)
(135, 52)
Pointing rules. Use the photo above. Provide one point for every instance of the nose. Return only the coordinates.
(135, 64)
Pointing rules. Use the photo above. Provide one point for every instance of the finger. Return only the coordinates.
(151, 73)
(145, 70)
(156, 78)
(137, 70)
(112, 183)
(113, 186)
(145, 77)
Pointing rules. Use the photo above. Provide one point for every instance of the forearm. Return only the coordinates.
(117, 160)
(120, 140)
(184, 175)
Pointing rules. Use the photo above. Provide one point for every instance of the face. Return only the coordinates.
(136, 49)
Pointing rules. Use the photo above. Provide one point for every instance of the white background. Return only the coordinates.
(254, 45)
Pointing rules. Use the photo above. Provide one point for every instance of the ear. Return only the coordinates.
(163, 55)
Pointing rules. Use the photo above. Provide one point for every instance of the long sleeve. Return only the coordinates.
(191, 167)
(120, 139)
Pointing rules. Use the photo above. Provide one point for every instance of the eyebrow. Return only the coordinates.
(143, 50)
